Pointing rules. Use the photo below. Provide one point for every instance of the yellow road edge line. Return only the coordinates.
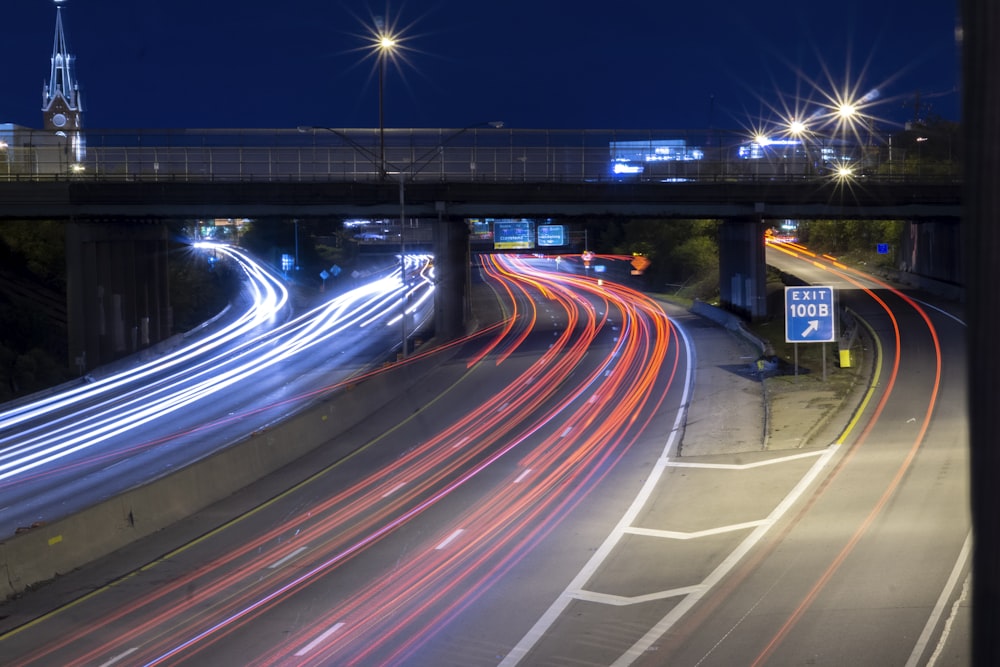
(872, 385)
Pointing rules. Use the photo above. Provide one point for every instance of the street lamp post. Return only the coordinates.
(381, 117)
(402, 263)
(409, 171)
(386, 44)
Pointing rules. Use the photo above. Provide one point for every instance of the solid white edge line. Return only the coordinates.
(952, 617)
(316, 642)
(552, 614)
(942, 602)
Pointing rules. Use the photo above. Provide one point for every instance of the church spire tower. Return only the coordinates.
(61, 104)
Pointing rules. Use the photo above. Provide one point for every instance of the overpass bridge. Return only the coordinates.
(116, 197)
(479, 171)
(697, 199)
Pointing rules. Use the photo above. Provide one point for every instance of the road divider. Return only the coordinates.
(45, 551)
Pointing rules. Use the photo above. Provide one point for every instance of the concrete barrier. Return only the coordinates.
(729, 321)
(46, 551)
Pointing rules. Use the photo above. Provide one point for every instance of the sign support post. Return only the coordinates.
(809, 318)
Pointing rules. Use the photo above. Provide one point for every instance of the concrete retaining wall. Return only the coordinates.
(44, 552)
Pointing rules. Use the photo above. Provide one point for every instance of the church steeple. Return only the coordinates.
(61, 104)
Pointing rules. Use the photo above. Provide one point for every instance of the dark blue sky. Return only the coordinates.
(629, 64)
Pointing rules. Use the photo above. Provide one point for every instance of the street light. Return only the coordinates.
(384, 46)
(798, 129)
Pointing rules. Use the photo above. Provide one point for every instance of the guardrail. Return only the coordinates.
(467, 154)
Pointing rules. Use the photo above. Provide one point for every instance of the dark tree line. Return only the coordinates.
(683, 254)
(33, 334)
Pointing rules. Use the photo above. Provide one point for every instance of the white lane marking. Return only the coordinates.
(120, 657)
(460, 442)
(745, 466)
(566, 431)
(279, 563)
(677, 535)
(448, 540)
(640, 647)
(941, 310)
(522, 475)
(316, 642)
(966, 591)
(551, 615)
(622, 601)
(932, 621)
(393, 489)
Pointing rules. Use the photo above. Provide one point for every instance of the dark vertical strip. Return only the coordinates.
(981, 222)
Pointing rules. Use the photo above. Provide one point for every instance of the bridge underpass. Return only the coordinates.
(118, 293)
(118, 299)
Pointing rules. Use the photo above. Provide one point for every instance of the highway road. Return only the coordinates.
(871, 566)
(371, 560)
(528, 508)
(258, 363)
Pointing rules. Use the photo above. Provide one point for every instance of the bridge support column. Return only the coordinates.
(451, 259)
(932, 249)
(742, 272)
(118, 300)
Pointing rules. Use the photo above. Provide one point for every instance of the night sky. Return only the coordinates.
(629, 64)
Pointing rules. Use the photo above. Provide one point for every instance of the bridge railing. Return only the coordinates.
(466, 154)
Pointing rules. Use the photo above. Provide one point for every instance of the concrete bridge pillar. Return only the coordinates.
(451, 259)
(933, 249)
(118, 300)
(742, 267)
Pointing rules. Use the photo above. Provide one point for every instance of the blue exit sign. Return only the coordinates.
(551, 235)
(809, 314)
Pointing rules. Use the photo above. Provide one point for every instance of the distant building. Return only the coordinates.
(651, 157)
(61, 114)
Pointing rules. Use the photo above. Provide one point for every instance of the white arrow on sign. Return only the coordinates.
(813, 326)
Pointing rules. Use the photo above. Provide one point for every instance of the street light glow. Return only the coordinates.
(387, 41)
(846, 110)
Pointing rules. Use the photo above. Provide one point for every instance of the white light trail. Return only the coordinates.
(131, 399)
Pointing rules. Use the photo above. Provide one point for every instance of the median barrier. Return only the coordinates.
(45, 551)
